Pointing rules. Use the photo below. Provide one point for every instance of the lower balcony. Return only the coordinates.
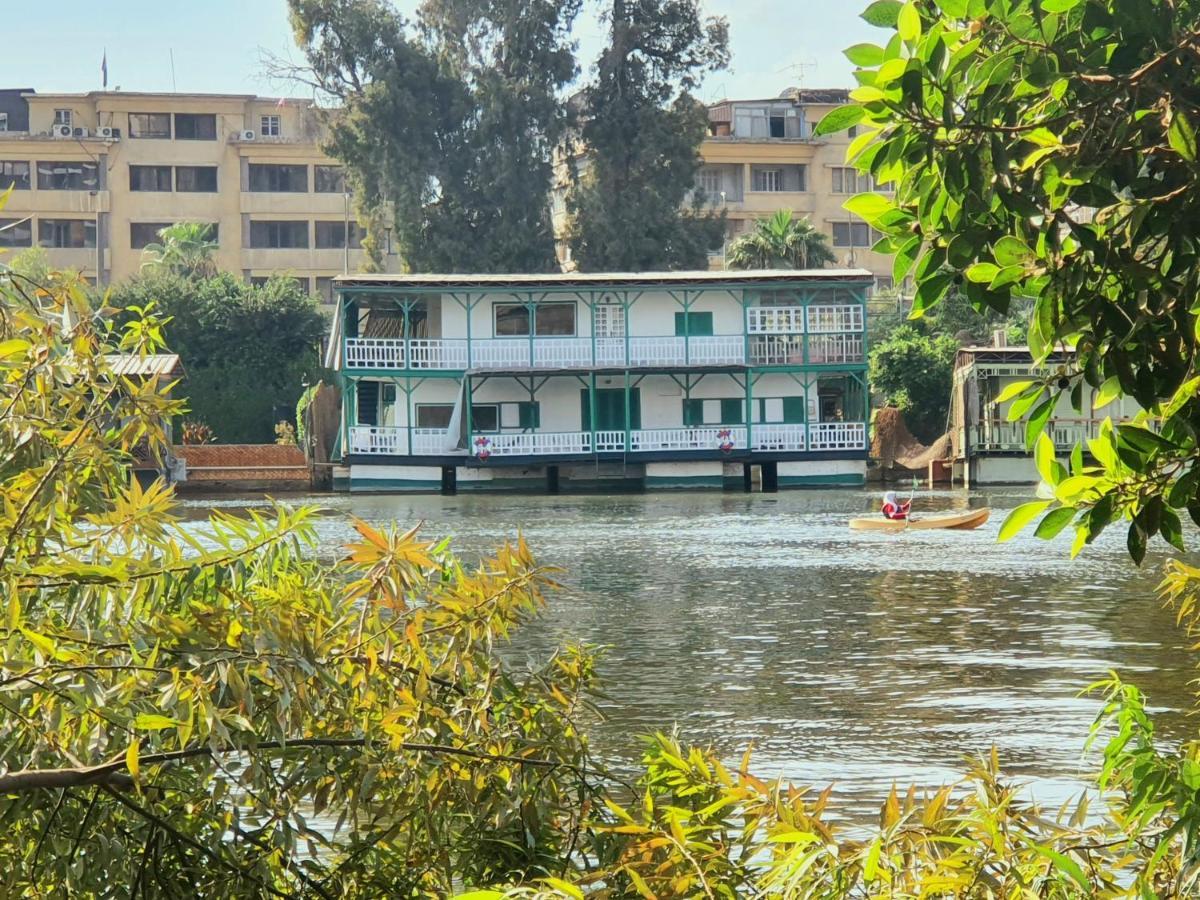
(369, 440)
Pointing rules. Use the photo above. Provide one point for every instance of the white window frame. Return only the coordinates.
(64, 117)
(711, 181)
(270, 126)
(3, 121)
(768, 181)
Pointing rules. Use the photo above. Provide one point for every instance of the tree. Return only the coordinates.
(185, 248)
(912, 371)
(639, 142)
(248, 351)
(452, 122)
(1048, 150)
(781, 242)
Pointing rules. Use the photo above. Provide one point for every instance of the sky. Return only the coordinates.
(218, 45)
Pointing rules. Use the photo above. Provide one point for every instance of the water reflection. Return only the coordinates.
(860, 658)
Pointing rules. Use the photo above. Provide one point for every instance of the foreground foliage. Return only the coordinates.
(211, 711)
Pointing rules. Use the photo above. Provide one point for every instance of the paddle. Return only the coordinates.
(911, 494)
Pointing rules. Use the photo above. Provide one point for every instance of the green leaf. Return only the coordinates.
(867, 56)
(908, 22)
(1109, 391)
(1171, 529)
(1186, 392)
(1023, 404)
(883, 13)
(839, 120)
(1059, 6)
(1011, 251)
(1017, 387)
(1061, 862)
(43, 643)
(1182, 135)
(154, 722)
(1020, 517)
(1135, 542)
(1054, 522)
(12, 347)
(906, 256)
(1037, 421)
(480, 895)
(1045, 458)
(1006, 276)
(982, 272)
(870, 207)
(569, 889)
(1077, 459)
(867, 94)
(954, 9)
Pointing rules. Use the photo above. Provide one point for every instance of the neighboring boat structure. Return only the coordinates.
(989, 449)
(655, 380)
(965, 520)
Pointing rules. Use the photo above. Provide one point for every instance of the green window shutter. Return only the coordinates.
(731, 412)
(794, 410)
(693, 412)
(529, 414)
(699, 324)
(635, 409)
(680, 318)
(585, 410)
(368, 403)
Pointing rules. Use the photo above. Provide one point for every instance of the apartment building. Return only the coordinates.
(95, 175)
(761, 156)
(650, 380)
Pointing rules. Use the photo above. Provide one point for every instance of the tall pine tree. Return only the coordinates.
(452, 121)
(640, 141)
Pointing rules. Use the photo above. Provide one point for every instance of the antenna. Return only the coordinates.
(174, 89)
(798, 68)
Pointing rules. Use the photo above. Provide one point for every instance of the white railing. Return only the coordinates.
(777, 350)
(775, 319)
(374, 353)
(434, 353)
(379, 440)
(829, 319)
(708, 438)
(610, 442)
(432, 442)
(610, 351)
(545, 444)
(785, 438)
(500, 354)
(837, 436)
(719, 350)
(834, 349)
(562, 353)
(656, 351)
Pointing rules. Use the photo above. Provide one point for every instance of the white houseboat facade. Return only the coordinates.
(548, 382)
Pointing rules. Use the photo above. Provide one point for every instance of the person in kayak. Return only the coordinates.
(894, 509)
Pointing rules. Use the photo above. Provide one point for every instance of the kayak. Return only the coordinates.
(960, 521)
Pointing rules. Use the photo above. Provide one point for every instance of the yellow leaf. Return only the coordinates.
(569, 889)
(14, 611)
(153, 722)
(233, 632)
(640, 884)
(131, 758)
(40, 641)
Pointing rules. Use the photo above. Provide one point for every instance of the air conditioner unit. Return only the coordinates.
(61, 131)
(249, 135)
(108, 133)
(80, 132)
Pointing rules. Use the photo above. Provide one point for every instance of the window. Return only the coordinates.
(195, 127)
(67, 233)
(324, 288)
(710, 182)
(14, 174)
(301, 284)
(329, 179)
(852, 131)
(150, 125)
(62, 117)
(794, 410)
(770, 179)
(332, 235)
(143, 233)
(3, 121)
(149, 178)
(732, 412)
(434, 415)
(551, 319)
(713, 412)
(485, 417)
(268, 126)
(278, 179)
(196, 179)
(16, 232)
(850, 181)
(854, 234)
(278, 235)
(699, 324)
(885, 283)
(57, 175)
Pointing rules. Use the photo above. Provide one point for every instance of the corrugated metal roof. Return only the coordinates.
(558, 279)
(165, 365)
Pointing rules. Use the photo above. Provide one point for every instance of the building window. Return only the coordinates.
(268, 126)
(301, 284)
(3, 121)
(195, 127)
(847, 180)
(16, 232)
(271, 178)
(329, 179)
(324, 288)
(713, 412)
(62, 117)
(143, 233)
(550, 319)
(771, 179)
(65, 234)
(854, 234)
(434, 415)
(852, 131)
(332, 235)
(485, 417)
(150, 125)
(56, 175)
(694, 324)
(149, 178)
(196, 179)
(885, 283)
(279, 235)
(710, 182)
(15, 175)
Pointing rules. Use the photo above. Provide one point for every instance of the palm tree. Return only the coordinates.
(781, 242)
(185, 248)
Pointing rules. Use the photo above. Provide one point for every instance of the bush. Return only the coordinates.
(913, 371)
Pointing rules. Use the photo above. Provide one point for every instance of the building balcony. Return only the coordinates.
(370, 440)
(1002, 436)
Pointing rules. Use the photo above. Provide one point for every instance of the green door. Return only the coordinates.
(610, 409)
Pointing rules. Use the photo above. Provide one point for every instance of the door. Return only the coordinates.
(610, 409)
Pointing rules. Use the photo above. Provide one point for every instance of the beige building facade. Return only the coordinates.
(94, 176)
(761, 156)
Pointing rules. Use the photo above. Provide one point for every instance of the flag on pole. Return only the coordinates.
(282, 103)
(104, 69)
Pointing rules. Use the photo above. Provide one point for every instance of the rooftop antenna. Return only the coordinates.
(798, 70)
(174, 89)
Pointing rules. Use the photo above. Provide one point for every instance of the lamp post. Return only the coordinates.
(346, 236)
(724, 234)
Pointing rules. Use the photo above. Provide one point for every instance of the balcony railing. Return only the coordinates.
(998, 435)
(371, 440)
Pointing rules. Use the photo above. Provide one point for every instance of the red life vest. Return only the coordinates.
(896, 511)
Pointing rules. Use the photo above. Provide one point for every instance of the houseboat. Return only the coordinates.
(561, 381)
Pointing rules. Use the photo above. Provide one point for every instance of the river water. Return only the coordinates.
(851, 658)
